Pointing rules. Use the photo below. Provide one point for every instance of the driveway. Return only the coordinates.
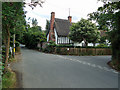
(42, 70)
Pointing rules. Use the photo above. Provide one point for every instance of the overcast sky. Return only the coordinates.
(78, 9)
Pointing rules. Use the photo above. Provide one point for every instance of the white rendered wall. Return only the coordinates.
(56, 36)
(47, 37)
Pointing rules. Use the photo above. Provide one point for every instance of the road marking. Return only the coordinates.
(89, 64)
(86, 63)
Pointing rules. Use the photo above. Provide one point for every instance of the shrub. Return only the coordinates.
(58, 50)
(68, 46)
(52, 43)
(49, 49)
(64, 51)
(101, 45)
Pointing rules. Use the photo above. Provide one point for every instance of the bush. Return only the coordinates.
(58, 50)
(68, 46)
(64, 51)
(49, 49)
(52, 43)
(101, 45)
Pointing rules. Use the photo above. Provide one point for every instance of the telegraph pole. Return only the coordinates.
(14, 45)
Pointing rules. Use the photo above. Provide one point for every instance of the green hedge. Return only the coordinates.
(83, 47)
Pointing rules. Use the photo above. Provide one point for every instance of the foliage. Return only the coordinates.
(34, 36)
(66, 45)
(34, 22)
(102, 39)
(85, 31)
(47, 26)
(52, 43)
(101, 45)
(12, 21)
(109, 16)
(50, 48)
(17, 44)
(58, 50)
(8, 80)
(0, 64)
(34, 3)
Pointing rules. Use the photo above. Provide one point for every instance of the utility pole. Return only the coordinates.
(13, 45)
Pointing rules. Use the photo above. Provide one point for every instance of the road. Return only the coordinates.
(42, 70)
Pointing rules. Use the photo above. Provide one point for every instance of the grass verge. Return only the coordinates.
(12, 60)
(9, 79)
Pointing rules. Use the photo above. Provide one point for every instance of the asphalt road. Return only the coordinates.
(42, 70)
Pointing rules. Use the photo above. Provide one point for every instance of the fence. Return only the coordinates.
(83, 51)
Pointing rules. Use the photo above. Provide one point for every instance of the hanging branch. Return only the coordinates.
(34, 3)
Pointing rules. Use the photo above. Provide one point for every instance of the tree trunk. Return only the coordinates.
(116, 43)
(7, 48)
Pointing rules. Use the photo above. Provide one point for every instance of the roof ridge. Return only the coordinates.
(62, 19)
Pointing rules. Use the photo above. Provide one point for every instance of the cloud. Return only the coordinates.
(78, 9)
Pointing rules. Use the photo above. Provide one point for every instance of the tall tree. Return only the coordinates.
(84, 30)
(11, 11)
(47, 26)
(109, 16)
(33, 37)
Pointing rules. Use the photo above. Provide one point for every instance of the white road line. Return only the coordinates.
(93, 65)
(89, 64)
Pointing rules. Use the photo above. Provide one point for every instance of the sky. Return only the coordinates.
(78, 9)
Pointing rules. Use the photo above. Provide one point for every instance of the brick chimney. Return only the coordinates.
(52, 20)
(70, 18)
(51, 33)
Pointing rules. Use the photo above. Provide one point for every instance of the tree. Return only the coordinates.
(34, 36)
(109, 16)
(34, 3)
(47, 26)
(11, 11)
(12, 21)
(84, 30)
(40, 38)
(34, 22)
